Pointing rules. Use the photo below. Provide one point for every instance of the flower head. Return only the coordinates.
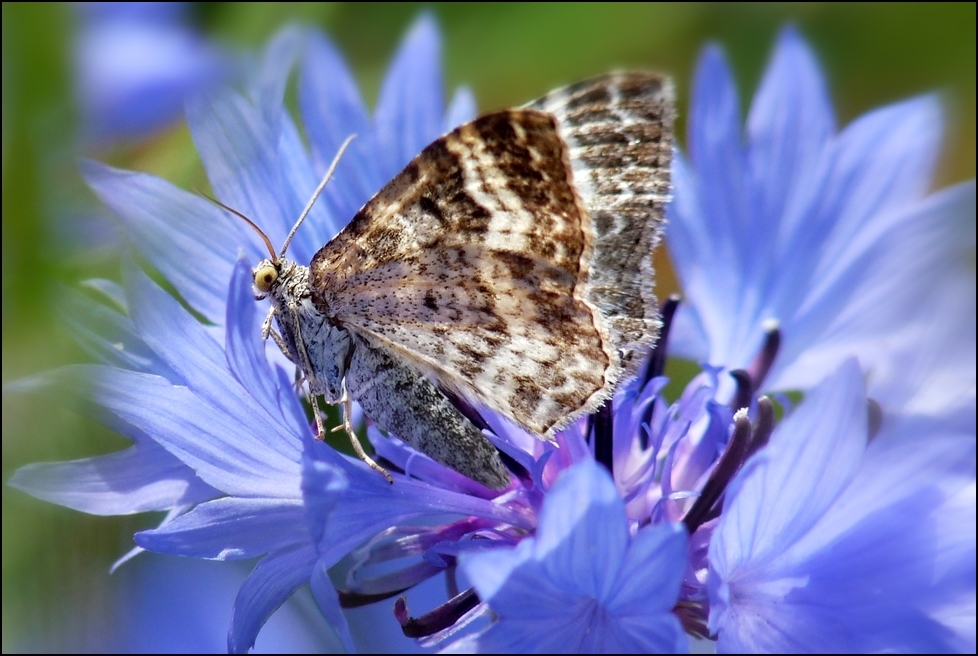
(831, 236)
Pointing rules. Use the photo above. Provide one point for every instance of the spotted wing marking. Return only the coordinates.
(619, 134)
(473, 265)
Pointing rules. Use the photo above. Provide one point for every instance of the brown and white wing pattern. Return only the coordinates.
(478, 262)
(618, 130)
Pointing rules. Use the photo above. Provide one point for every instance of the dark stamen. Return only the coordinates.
(731, 460)
(656, 362)
(763, 427)
(437, 620)
(693, 617)
(875, 418)
(655, 365)
(601, 428)
(451, 581)
(761, 365)
(358, 599)
(745, 389)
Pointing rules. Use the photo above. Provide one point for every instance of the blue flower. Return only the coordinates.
(135, 63)
(583, 584)
(798, 249)
(829, 544)
(831, 237)
(715, 520)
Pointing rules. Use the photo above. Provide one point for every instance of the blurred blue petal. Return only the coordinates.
(190, 241)
(135, 66)
(461, 109)
(141, 478)
(239, 150)
(270, 584)
(789, 126)
(830, 236)
(411, 105)
(162, 604)
(332, 110)
(231, 529)
(108, 334)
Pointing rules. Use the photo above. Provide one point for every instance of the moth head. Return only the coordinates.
(266, 275)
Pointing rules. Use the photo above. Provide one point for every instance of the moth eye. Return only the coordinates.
(265, 277)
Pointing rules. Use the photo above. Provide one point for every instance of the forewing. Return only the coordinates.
(473, 263)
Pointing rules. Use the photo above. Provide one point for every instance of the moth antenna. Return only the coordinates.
(264, 237)
(315, 194)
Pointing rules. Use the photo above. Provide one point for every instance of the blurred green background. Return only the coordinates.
(57, 593)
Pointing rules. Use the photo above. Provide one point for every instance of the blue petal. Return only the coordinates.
(221, 448)
(789, 127)
(784, 490)
(716, 149)
(183, 343)
(191, 242)
(138, 479)
(231, 529)
(710, 207)
(245, 354)
(805, 211)
(269, 585)
(240, 152)
(585, 561)
(410, 105)
(132, 75)
(642, 588)
(110, 335)
(829, 564)
(329, 604)
(300, 176)
(883, 161)
(267, 88)
(461, 109)
(579, 586)
(321, 224)
(332, 110)
(324, 484)
(861, 295)
(932, 370)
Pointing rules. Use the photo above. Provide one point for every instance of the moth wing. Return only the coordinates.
(472, 264)
(512, 259)
(618, 130)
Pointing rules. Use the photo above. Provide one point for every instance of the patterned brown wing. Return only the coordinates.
(618, 131)
(512, 258)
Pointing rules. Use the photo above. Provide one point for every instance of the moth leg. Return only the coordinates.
(306, 367)
(402, 401)
(267, 331)
(355, 441)
(281, 344)
(317, 413)
(266, 325)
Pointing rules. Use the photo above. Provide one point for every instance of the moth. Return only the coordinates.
(509, 263)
